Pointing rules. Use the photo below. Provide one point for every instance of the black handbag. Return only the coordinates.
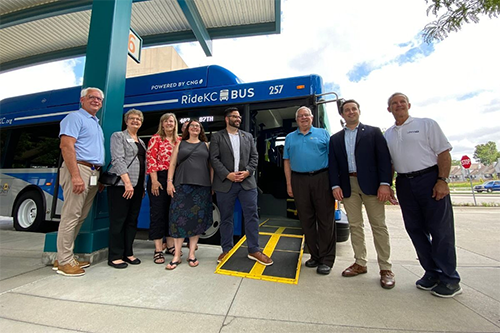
(111, 179)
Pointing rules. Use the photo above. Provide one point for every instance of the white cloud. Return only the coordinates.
(330, 38)
(55, 75)
(331, 42)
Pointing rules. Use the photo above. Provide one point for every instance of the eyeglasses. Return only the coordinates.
(194, 126)
(235, 117)
(135, 118)
(91, 97)
(303, 115)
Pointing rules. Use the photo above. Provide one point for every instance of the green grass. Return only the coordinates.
(464, 184)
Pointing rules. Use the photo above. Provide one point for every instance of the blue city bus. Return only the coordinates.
(29, 127)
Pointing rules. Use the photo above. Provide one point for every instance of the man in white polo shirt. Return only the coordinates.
(421, 157)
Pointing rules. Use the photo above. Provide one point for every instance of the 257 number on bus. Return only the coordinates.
(275, 90)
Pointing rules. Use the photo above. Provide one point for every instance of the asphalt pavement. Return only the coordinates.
(147, 298)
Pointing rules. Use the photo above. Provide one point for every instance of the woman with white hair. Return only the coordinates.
(128, 157)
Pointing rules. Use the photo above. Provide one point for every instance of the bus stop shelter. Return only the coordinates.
(39, 31)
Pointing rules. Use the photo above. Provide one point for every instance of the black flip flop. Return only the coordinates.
(174, 264)
(193, 261)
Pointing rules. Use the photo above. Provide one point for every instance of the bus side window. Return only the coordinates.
(32, 147)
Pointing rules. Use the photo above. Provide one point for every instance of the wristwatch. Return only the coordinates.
(446, 180)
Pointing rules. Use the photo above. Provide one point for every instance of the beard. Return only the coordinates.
(234, 123)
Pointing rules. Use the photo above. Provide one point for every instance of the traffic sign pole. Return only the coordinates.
(466, 163)
(472, 189)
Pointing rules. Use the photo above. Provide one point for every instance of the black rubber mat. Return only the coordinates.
(279, 237)
(285, 265)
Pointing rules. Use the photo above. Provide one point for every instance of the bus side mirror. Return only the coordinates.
(340, 101)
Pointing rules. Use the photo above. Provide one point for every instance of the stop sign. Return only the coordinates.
(465, 161)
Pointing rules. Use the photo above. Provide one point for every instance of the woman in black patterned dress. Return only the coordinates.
(189, 183)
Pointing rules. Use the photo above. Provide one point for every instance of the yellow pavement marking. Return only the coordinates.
(258, 268)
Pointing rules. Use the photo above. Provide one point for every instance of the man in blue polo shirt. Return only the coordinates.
(82, 147)
(306, 171)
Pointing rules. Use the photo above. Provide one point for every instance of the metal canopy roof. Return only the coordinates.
(37, 31)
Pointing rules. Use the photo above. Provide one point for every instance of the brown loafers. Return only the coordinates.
(387, 280)
(221, 257)
(354, 270)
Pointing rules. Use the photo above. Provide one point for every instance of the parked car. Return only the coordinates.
(482, 188)
(493, 185)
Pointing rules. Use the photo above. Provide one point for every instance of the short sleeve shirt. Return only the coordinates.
(85, 128)
(415, 144)
(307, 152)
(159, 153)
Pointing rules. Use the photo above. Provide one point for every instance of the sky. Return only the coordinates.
(364, 50)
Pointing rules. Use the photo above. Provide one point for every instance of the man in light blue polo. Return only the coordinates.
(82, 147)
(306, 171)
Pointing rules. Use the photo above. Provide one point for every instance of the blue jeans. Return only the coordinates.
(248, 200)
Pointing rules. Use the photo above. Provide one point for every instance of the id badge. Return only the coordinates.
(93, 180)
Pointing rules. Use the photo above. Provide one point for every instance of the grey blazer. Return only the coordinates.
(222, 160)
(123, 150)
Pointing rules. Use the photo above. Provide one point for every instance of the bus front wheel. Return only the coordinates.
(28, 212)
(212, 235)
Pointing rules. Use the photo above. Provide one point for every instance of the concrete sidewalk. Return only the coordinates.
(147, 298)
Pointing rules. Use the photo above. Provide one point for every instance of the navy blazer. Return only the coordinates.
(373, 160)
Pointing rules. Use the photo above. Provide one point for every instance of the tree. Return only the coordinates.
(456, 162)
(458, 12)
(487, 153)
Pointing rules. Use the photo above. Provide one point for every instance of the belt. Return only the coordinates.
(418, 173)
(353, 174)
(311, 173)
(90, 165)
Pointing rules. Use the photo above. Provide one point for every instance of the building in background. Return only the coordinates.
(155, 60)
(478, 172)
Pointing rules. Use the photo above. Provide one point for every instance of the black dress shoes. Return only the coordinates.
(136, 261)
(120, 265)
(323, 269)
(312, 263)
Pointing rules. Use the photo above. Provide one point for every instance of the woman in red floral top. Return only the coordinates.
(160, 148)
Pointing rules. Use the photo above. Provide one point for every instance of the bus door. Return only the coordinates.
(270, 123)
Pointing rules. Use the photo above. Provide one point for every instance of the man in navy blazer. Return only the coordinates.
(361, 174)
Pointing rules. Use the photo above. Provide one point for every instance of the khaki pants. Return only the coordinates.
(376, 215)
(75, 209)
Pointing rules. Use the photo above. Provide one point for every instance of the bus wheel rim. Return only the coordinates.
(212, 230)
(27, 213)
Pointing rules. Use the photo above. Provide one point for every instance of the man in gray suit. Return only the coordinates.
(234, 159)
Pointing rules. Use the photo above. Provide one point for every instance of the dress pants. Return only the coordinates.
(123, 214)
(248, 200)
(159, 207)
(430, 225)
(75, 209)
(376, 216)
(316, 209)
